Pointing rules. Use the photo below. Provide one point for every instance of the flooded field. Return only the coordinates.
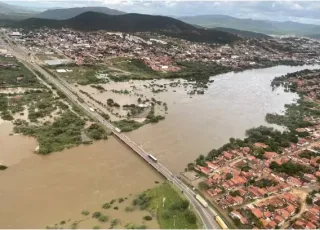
(43, 190)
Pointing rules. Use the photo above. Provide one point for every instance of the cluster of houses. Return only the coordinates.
(269, 213)
(247, 178)
(161, 52)
(310, 219)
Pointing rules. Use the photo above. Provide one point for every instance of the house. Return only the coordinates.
(291, 209)
(235, 214)
(211, 165)
(279, 220)
(257, 213)
(284, 213)
(270, 155)
(310, 225)
(294, 182)
(309, 178)
(227, 155)
(260, 145)
(271, 224)
(302, 142)
(202, 169)
(299, 224)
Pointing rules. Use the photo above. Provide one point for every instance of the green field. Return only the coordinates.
(82, 75)
(18, 76)
(172, 213)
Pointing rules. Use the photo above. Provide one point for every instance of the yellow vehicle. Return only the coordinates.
(221, 223)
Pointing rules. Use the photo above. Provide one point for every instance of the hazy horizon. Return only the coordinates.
(297, 11)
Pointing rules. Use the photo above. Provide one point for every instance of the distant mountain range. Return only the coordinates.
(242, 33)
(92, 21)
(63, 14)
(259, 26)
(11, 12)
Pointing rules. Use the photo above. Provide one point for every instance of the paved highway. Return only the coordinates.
(207, 215)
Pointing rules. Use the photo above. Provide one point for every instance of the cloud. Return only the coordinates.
(303, 11)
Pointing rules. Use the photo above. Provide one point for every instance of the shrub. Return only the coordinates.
(96, 215)
(85, 212)
(147, 218)
(114, 222)
(3, 167)
(129, 209)
(106, 205)
(103, 218)
(191, 217)
(96, 227)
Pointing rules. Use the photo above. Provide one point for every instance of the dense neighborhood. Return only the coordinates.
(163, 53)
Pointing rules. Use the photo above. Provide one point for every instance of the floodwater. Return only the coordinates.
(234, 103)
(14, 148)
(43, 190)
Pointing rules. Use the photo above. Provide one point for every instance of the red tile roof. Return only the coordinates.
(257, 212)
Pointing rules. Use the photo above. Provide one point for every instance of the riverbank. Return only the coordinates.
(237, 174)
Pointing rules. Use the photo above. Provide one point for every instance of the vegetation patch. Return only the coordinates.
(64, 132)
(96, 132)
(3, 167)
(171, 210)
(127, 125)
(16, 74)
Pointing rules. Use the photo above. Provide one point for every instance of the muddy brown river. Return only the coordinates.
(38, 191)
(234, 103)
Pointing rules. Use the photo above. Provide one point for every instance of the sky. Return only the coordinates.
(287, 10)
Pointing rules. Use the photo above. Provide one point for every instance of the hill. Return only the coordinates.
(92, 21)
(243, 33)
(259, 26)
(63, 14)
(11, 12)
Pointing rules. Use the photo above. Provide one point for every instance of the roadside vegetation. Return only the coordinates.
(15, 74)
(168, 206)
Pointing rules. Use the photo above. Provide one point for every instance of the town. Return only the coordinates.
(162, 53)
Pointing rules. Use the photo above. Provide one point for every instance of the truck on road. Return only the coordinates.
(201, 200)
(155, 160)
(221, 223)
(117, 130)
(92, 109)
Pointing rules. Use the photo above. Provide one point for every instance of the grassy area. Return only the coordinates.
(84, 75)
(136, 67)
(16, 75)
(176, 212)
